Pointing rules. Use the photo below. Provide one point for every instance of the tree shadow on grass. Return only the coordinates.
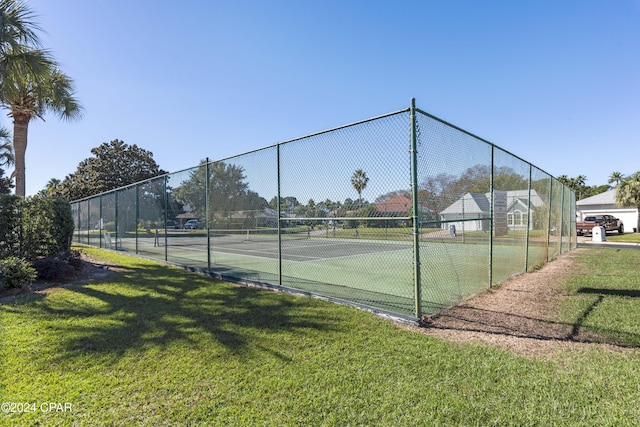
(155, 306)
(632, 293)
(497, 322)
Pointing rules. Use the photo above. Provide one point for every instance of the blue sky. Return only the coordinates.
(556, 82)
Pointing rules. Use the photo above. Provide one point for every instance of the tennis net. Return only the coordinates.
(222, 236)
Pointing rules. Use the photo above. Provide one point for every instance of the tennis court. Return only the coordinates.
(301, 247)
(375, 273)
(360, 213)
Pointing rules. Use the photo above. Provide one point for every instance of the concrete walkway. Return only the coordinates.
(587, 242)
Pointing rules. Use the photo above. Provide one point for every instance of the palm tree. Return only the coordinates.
(17, 26)
(628, 194)
(26, 75)
(32, 96)
(19, 43)
(6, 148)
(52, 187)
(578, 185)
(359, 181)
(615, 177)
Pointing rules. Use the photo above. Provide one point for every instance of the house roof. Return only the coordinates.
(606, 198)
(469, 203)
(397, 204)
(264, 213)
(187, 215)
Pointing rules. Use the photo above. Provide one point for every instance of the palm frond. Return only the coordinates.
(6, 148)
(18, 25)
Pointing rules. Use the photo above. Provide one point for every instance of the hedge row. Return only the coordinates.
(34, 228)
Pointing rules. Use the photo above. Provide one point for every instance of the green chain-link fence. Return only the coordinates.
(403, 213)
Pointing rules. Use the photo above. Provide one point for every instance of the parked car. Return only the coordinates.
(193, 224)
(172, 224)
(609, 222)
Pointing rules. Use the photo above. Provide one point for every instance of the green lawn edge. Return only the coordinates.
(155, 345)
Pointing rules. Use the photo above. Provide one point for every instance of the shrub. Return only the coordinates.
(59, 267)
(10, 225)
(47, 227)
(16, 272)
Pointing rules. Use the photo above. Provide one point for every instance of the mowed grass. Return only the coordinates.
(158, 346)
(625, 238)
(607, 294)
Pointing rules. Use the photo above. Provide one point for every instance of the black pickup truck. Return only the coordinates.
(609, 222)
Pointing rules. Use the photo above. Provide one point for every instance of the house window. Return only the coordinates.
(510, 219)
(517, 218)
(525, 219)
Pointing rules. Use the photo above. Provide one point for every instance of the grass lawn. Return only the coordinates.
(627, 237)
(154, 345)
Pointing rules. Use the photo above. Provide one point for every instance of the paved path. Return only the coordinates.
(587, 242)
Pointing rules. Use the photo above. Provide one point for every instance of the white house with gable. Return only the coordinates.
(475, 209)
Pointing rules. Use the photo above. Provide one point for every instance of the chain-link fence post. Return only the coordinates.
(549, 217)
(491, 217)
(137, 214)
(99, 228)
(526, 242)
(561, 227)
(279, 213)
(115, 203)
(207, 213)
(415, 206)
(166, 210)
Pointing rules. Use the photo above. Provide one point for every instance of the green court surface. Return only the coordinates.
(373, 273)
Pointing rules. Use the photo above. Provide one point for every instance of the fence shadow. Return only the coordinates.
(610, 292)
(503, 323)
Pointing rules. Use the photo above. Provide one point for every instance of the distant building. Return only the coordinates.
(401, 207)
(475, 208)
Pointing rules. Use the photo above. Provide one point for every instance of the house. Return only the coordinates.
(605, 203)
(396, 206)
(401, 207)
(265, 217)
(475, 208)
(184, 217)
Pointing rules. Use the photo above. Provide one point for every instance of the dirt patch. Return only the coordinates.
(518, 315)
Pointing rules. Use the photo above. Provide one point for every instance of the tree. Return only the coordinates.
(441, 190)
(19, 42)
(31, 84)
(349, 204)
(359, 181)
(628, 194)
(6, 158)
(33, 97)
(228, 194)
(52, 188)
(6, 148)
(578, 186)
(287, 204)
(113, 165)
(594, 190)
(615, 177)
(5, 183)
